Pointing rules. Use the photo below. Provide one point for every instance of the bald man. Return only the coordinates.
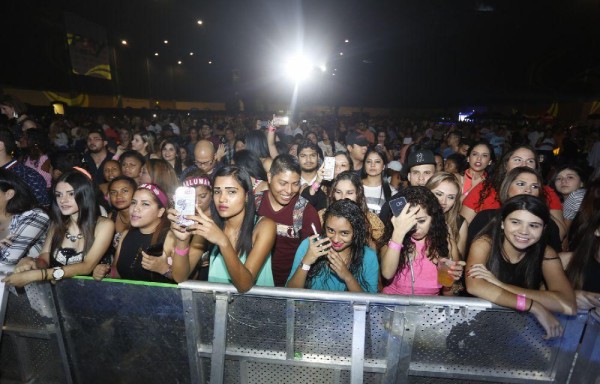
(204, 159)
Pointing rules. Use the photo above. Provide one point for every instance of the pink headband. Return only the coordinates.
(164, 200)
(196, 182)
(79, 169)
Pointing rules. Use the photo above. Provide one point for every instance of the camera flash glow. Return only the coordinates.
(346, 41)
(179, 62)
(124, 42)
(298, 68)
(155, 53)
(200, 22)
(191, 53)
(210, 62)
(166, 41)
(341, 53)
(154, 115)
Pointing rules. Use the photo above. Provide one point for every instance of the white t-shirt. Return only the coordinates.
(375, 198)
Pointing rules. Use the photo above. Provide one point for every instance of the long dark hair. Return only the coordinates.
(589, 205)
(350, 211)
(436, 241)
(499, 172)
(385, 186)
(585, 252)
(251, 163)
(256, 141)
(23, 199)
(175, 143)
(244, 241)
(512, 175)
(530, 269)
(86, 199)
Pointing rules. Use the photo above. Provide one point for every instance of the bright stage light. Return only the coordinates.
(299, 68)
(323, 67)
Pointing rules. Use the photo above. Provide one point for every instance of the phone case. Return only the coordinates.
(329, 168)
(397, 204)
(185, 203)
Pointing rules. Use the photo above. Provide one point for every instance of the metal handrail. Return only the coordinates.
(336, 296)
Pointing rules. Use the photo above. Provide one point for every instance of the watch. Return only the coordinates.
(305, 267)
(58, 273)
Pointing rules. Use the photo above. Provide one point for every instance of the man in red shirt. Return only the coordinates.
(292, 213)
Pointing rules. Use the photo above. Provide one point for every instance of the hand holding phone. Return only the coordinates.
(397, 205)
(185, 203)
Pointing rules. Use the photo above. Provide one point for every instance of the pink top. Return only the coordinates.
(425, 276)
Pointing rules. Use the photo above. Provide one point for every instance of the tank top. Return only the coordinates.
(217, 270)
(129, 264)
(425, 273)
(66, 256)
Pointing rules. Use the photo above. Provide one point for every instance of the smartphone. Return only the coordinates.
(407, 140)
(185, 203)
(263, 123)
(397, 204)
(155, 250)
(329, 167)
(280, 120)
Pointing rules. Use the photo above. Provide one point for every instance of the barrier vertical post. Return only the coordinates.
(58, 329)
(587, 365)
(394, 345)
(290, 317)
(358, 343)
(217, 362)
(192, 325)
(411, 316)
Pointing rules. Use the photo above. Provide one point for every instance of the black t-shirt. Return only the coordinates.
(129, 264)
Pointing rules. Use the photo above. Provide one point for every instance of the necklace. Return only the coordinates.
(73, 238)
(122, 221)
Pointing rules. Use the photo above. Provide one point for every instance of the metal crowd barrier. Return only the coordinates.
(83, 331)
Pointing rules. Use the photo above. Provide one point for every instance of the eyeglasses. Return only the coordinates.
(201, 164)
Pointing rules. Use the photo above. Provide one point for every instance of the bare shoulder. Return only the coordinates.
(104, 224)
(264, 224)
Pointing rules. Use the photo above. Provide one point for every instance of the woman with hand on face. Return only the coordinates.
(242, 242)
(340, 260)
(418, 243)
(510, 265)
(148, 230)
(78, 237)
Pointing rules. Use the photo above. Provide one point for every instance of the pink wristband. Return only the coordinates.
(113, 273)
(315, 186)
(271, 128)
(395, 246)
(521, 302)
(182, 252)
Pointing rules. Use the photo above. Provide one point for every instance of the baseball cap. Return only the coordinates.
(358, 139)
(394, 165)
(420, 157)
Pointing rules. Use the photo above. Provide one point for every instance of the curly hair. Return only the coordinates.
(436, 241)
(350, 211)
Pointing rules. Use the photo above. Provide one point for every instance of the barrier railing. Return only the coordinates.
(85, 332)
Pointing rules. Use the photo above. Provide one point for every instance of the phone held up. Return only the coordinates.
(329, 168)
(185, 203)
(397, 205)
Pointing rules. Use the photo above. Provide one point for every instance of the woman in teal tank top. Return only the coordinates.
(242, 243)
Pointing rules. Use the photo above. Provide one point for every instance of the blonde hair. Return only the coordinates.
(452, 215)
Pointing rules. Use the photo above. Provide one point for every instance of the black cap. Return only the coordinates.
(420, 157)
(358, 139)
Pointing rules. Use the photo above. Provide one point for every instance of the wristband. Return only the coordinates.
(113, 273)
(395, 246)
(521, 302)
(271, 128)
(305, 267)
(182, 252)
(315, 186)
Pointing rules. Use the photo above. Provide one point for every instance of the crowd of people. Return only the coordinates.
(409, 207)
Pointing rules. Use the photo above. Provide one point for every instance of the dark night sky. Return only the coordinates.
(401, 53)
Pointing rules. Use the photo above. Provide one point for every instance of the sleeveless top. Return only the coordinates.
(425, 275)
(65, 256)
(129, 264)
(217, 270)
(37, 165)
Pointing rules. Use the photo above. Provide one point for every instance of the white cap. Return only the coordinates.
(395, 165)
